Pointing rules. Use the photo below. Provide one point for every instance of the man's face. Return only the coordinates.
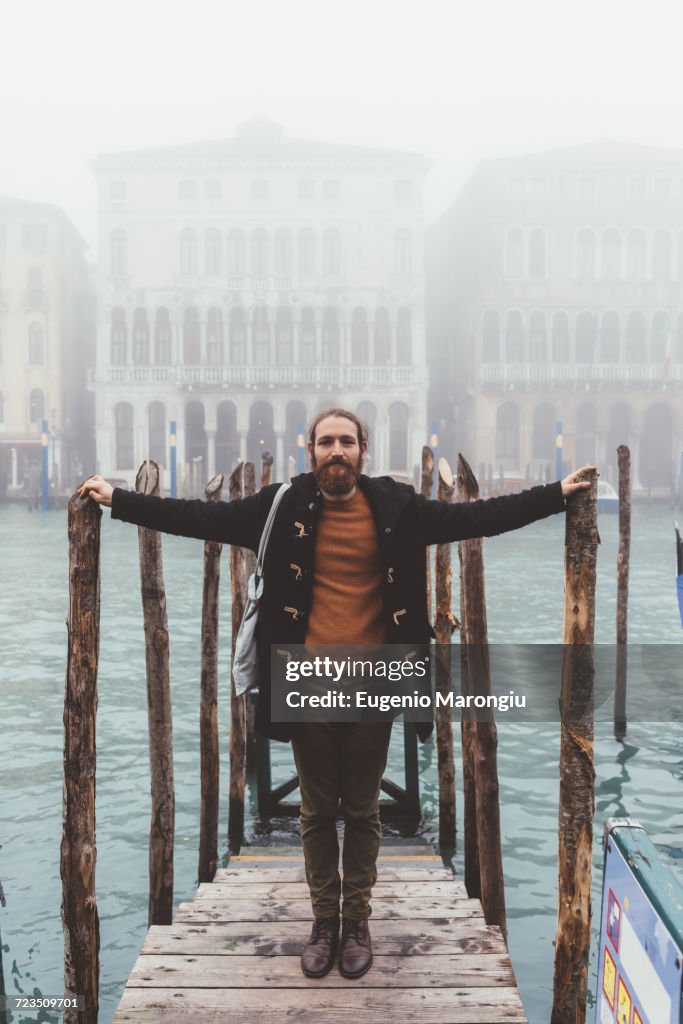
(336, 455)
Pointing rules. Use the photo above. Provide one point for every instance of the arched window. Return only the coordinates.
(330, 338)
(514, 337)
(661, 255)
(490, 337)
(307, 338)
(118, 337)
(214, 337)
(236, 260)
(140, 337)
(157, 432)
(260, 329)
(660, 331)
(259, 253)
(238, 337)
(586, 434)
(585, 255)
(195, 439)
(261, 434)
(213, 253)
(514, 254)
(538, 340)
(36, 406)
(507, 436)
(282, 253)
(609, 337)
(635, 338)
(399, 416)
(543, 435)
(227, 441)
(34, 293)
(586, 330)
(284, 353)
(306, 253)
(403, 252)
(162, 337)
(36, 344)
(610, 268)
(636, 255)
(118, 253)
(561, 348)
(331, 252)
(191, 337)
(123, 421)
(537, 254)
(382, 337)
(404, 338)
(188, 252)
(367, 414)
(360, 350)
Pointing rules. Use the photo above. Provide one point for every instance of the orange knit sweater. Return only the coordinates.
(347, 578)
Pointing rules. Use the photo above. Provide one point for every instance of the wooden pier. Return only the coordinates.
(232, 954)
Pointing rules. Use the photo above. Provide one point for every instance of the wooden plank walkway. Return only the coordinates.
(232, 955)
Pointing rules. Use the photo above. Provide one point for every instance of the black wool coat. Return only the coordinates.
(406, 523)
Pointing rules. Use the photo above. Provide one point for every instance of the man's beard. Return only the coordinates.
(337, 477)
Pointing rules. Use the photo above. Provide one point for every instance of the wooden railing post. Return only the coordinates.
(427, 490)
(577, 772)
(624, 462)
(78, 853)
(237, 704)
(159, 711)
(209, 754)
(483, 740)
(444, 625)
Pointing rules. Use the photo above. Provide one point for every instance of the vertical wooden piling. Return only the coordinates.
(249, 481)
(577, 773)
(623, 556)
(159, 711)
(78, 853)
(237, 704)
(427, 490)
(444, 625)
(209, 756)
(266, 469)
(484, 738)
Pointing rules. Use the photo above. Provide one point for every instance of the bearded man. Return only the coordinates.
(345, 564)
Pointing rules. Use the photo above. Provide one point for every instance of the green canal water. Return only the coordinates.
(643, 777)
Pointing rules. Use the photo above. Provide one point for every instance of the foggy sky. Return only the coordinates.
(461, 83)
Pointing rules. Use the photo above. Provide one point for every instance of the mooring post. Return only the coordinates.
(237, 704)
(78, 853)
(444, 625)
(577, 772)
(209, 755)
(266, 469)
(159, 711)
(427, 491)
(249, 478)
(623, 556)
(484, 740)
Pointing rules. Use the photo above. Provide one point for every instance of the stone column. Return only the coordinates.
(279, 469)
(211, 454)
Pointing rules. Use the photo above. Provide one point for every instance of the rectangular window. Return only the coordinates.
(306, 189)
(332, 189)
(34, 236)
(516, 188)
(662, 188)
(637, 188)
(213, 189)
(259, 189)
(187, 189)
(539, 188)
(117, 190)
(587, 189)
(403, 191)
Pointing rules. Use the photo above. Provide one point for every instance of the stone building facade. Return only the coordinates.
(556, 297)
(246, 283)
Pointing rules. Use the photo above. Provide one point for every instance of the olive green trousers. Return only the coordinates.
(340, 764)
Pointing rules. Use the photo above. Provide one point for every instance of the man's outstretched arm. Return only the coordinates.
(487, 517)
(233, 522)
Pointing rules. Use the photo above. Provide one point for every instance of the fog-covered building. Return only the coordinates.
(45, 334)
(248, 282)
(556, 296)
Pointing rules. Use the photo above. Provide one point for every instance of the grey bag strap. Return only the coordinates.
(265, 536)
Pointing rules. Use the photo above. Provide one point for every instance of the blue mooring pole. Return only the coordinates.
(172, 443)
(559, 473)
(44, 467)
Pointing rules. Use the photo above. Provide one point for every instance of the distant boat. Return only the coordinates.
(608, 499)
(679, 569)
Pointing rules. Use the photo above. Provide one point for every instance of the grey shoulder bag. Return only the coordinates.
(245, 666)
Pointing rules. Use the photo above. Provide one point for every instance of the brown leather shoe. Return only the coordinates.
(355, 957)
(318, 956)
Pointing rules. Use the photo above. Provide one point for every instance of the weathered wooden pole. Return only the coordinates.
(209, 756)
(159, 711)
(577, 773)
(427, 491)
(624, 462)
(471, 845)
(444, 625)
(238, 736)
(78, 853)
(249, 478)
(266, 469)
(484, 740)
